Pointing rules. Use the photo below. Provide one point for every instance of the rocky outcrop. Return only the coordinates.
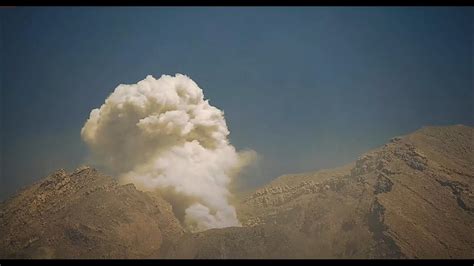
(411, 198)
(85, 214)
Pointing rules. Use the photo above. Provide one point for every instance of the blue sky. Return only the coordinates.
(307, 88)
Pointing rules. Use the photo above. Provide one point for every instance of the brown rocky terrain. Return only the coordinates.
(411, 198)
(85, 214)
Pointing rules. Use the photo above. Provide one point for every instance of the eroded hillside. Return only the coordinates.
(85, 214)
(411, 198)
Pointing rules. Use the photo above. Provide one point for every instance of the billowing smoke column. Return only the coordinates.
(162, 134)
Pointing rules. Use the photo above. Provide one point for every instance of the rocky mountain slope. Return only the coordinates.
(85, 214)
(411, 198)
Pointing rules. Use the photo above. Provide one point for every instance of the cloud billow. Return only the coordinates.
(161, 134)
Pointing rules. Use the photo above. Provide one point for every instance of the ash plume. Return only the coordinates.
(161, 134)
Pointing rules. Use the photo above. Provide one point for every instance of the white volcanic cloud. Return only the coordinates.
(161, 134)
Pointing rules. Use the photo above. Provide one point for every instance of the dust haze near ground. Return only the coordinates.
(410, 198)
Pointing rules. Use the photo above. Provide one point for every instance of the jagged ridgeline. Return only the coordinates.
(411, 198)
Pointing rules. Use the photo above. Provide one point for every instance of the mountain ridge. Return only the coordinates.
(409, 198)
